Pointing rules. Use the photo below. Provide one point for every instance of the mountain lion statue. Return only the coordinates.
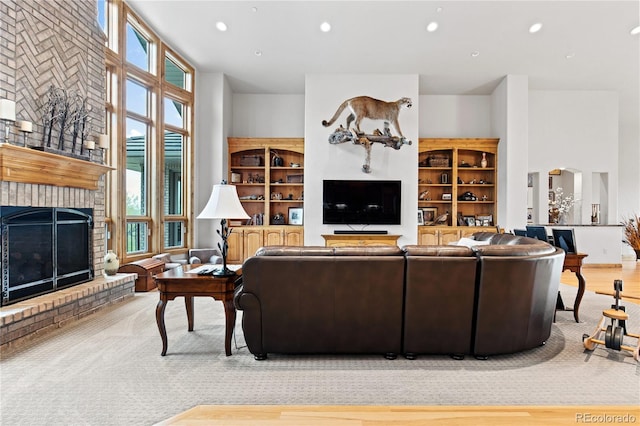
(373, 109)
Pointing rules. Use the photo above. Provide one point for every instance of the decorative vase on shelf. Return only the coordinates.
(562, 219)
(483, 162)
(111, 263)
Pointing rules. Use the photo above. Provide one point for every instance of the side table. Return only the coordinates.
(573, 262)
(180, 282)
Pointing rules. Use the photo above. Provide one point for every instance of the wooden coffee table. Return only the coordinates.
(179, 282)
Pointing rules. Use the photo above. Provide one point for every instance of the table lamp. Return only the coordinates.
(223, 204)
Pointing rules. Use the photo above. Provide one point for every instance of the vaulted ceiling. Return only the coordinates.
(269, 46)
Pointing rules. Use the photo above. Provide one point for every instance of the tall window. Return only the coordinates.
(149, 112)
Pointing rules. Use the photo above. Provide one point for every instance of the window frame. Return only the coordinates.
(118, 70)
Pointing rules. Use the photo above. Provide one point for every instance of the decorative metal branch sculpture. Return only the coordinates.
(65, 110)
(48, 107)
(63, 117)
(78, 118)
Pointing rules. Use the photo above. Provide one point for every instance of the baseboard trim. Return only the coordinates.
(601, 265)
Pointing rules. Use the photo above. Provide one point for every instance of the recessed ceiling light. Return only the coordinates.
(325, 27)
(221, 26)
(535, 28)
(258, 53)
(438, 9)
(432, 26)
(254, 9)
(475, 54)
(635, 31)
(570, 55)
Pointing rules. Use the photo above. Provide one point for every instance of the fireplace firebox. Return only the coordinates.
(44, 249)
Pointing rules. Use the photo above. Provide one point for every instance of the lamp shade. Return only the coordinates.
(223, 204)
(7, 110)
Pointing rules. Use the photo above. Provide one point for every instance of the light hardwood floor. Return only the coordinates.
(284, 415)
(597, 279)
(601, 279)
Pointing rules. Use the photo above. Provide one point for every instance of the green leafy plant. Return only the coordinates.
(631, 230)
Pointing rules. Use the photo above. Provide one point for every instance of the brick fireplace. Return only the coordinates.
(79, 185)
(57, 44)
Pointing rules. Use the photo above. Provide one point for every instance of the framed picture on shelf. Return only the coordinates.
(420, 217)
(485, 219)
(446, 196)
(470, 220)
(295, 215)
(429, 214)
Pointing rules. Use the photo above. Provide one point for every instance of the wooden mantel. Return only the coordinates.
(21, 164)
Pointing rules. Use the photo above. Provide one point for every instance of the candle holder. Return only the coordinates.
(89, 145)
(25, 127)
(103, 144)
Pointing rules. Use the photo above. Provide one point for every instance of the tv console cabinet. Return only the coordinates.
(340, 240)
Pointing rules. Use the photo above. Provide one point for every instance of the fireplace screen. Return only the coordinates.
(44, 250)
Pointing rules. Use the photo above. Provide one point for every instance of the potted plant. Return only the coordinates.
(631, 229)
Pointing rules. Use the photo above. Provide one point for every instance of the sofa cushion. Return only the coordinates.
(451, 251)
(294, 251)
(515, 250)
(368, 251)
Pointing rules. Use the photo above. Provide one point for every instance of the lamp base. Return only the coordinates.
(223, 272)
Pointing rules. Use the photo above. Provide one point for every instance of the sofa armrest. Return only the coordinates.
(251, 319)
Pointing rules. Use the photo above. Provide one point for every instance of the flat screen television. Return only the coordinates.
(361, 202)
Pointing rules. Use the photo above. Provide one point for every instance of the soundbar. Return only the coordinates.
(348, 231)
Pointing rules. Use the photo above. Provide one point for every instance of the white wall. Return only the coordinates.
(213, 121)
(629, 177)
(323, 94)
(264, 116)
(449, 116)
(509, 105)
(576, 130)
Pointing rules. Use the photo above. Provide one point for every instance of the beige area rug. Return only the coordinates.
(107, 370)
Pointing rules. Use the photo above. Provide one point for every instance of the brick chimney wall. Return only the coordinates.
(53, 43)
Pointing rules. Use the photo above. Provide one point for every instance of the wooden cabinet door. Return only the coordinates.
(253, 240)
(448, 236)
(468, 231)
(427, 236)
(294, 237)
(273, 237)
(235, 241)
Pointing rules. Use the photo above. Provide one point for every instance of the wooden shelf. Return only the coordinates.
(25, 165)
(463, 156)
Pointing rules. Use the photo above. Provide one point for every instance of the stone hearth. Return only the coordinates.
(35, 316)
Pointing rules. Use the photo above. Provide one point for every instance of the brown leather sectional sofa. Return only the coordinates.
(485, 300)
